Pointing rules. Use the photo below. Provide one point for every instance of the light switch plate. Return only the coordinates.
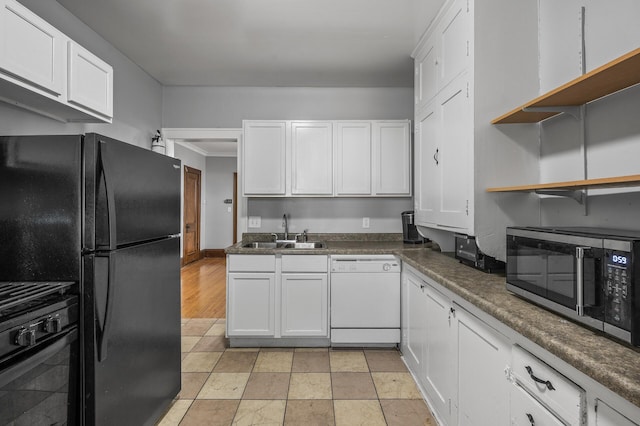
(255, 221)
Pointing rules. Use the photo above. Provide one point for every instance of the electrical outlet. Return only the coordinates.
(365, 222)
(255, 221)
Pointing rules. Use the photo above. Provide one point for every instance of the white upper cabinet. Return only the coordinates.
(31, 50)
(392, 158)
(46, 72)
(353, 158)
(90, 81)
(311, 158)
(365, 158)
(264, 157)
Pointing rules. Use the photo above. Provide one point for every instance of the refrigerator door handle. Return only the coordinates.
(102, 327)
(105, 167)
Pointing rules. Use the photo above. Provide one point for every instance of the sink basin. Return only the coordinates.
(262, 244)
(285, 245)
(306, 245)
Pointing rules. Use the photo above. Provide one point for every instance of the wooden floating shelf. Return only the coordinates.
(611, 182)
(616, 75)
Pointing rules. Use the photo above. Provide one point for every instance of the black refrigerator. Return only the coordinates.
(106, 214)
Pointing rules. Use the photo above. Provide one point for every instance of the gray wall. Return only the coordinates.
(219, 178)
(226, 107)
(612, 125)
(137, 101)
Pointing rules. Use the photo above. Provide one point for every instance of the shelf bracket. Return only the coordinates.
(579, 196)
(574, 111)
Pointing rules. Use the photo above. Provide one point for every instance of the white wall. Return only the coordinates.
(219, 233)
(612, 125)
(197, 161)
(137, 101)
(226, 107)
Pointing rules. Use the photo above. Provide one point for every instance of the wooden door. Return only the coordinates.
(191, 216)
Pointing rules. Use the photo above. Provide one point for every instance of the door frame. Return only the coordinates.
(181, 135)
(197, 202)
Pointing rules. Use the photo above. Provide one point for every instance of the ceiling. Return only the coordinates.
(270, 43)
(304, 43)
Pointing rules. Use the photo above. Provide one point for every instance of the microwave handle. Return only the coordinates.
(580, 280)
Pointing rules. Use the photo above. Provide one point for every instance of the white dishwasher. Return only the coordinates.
(365, 300)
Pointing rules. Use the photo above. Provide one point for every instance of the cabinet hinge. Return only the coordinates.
(467, 208)
(467, 48)
(467, 5)
(467, 89)
(508, 373)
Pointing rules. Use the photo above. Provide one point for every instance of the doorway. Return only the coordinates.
(191, 221)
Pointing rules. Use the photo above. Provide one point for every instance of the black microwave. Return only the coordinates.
(590, 275)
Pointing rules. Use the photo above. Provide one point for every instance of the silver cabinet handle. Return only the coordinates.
(580, 280)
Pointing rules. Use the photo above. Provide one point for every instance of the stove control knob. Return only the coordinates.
(25, 337)
(52, 324)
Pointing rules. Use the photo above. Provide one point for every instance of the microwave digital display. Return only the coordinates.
(619, 259)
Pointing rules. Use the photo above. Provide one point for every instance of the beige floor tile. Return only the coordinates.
(348, 361)
(385, 361)
(316, 412)
(200, 361)
(356, 413)
(273, 362)
(353, 386)
(267, 386)
(210, 413)
(236, 362)
(276, 349)
(407, 412)
(197, 326)
(311, 362)
(395, 386)
(260, 412)
(188, 343)
(217, 329)
(310, 386)
(176, 413)
(210, 344)
(312, 350)
(242, 350)
(224, 386)
(183, 321)
(191, 384)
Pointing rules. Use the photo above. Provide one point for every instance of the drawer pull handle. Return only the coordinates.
(530, 417)
(547, 383)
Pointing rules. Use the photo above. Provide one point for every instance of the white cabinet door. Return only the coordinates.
(90, 81)
(426, 73)
(311, 158)
(438, 353)
(305, 307)
(264, 164)
(31, 50)
(607, 416)
(414, 332)
(454, 33)
(483, 355)
(251, 304)
(427, 178)
(353, 158)
(392, 158)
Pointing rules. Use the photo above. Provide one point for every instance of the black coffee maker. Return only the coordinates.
(409, 230)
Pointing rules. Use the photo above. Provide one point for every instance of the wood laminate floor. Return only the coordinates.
(204, 288)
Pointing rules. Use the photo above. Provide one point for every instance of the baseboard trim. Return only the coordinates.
(214, 253)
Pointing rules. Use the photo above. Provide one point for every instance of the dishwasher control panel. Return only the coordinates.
(363, 263)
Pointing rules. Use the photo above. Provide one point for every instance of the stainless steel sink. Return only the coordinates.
(262, 244)
(285, 245)
(306, 245)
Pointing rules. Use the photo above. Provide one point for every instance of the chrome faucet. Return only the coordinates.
(285, 223)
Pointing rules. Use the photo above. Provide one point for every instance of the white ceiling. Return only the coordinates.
(307, 43)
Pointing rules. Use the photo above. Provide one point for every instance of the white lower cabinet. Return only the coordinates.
(482, 388)
(271, 296)
(527, 411)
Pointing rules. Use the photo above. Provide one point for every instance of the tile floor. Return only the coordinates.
(290, 386)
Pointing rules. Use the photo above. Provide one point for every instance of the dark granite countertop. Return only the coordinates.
(613, 364)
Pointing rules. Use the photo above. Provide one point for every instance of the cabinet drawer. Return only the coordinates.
(304, 263)
(251, 263)
(557, 392)
(526, 411)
